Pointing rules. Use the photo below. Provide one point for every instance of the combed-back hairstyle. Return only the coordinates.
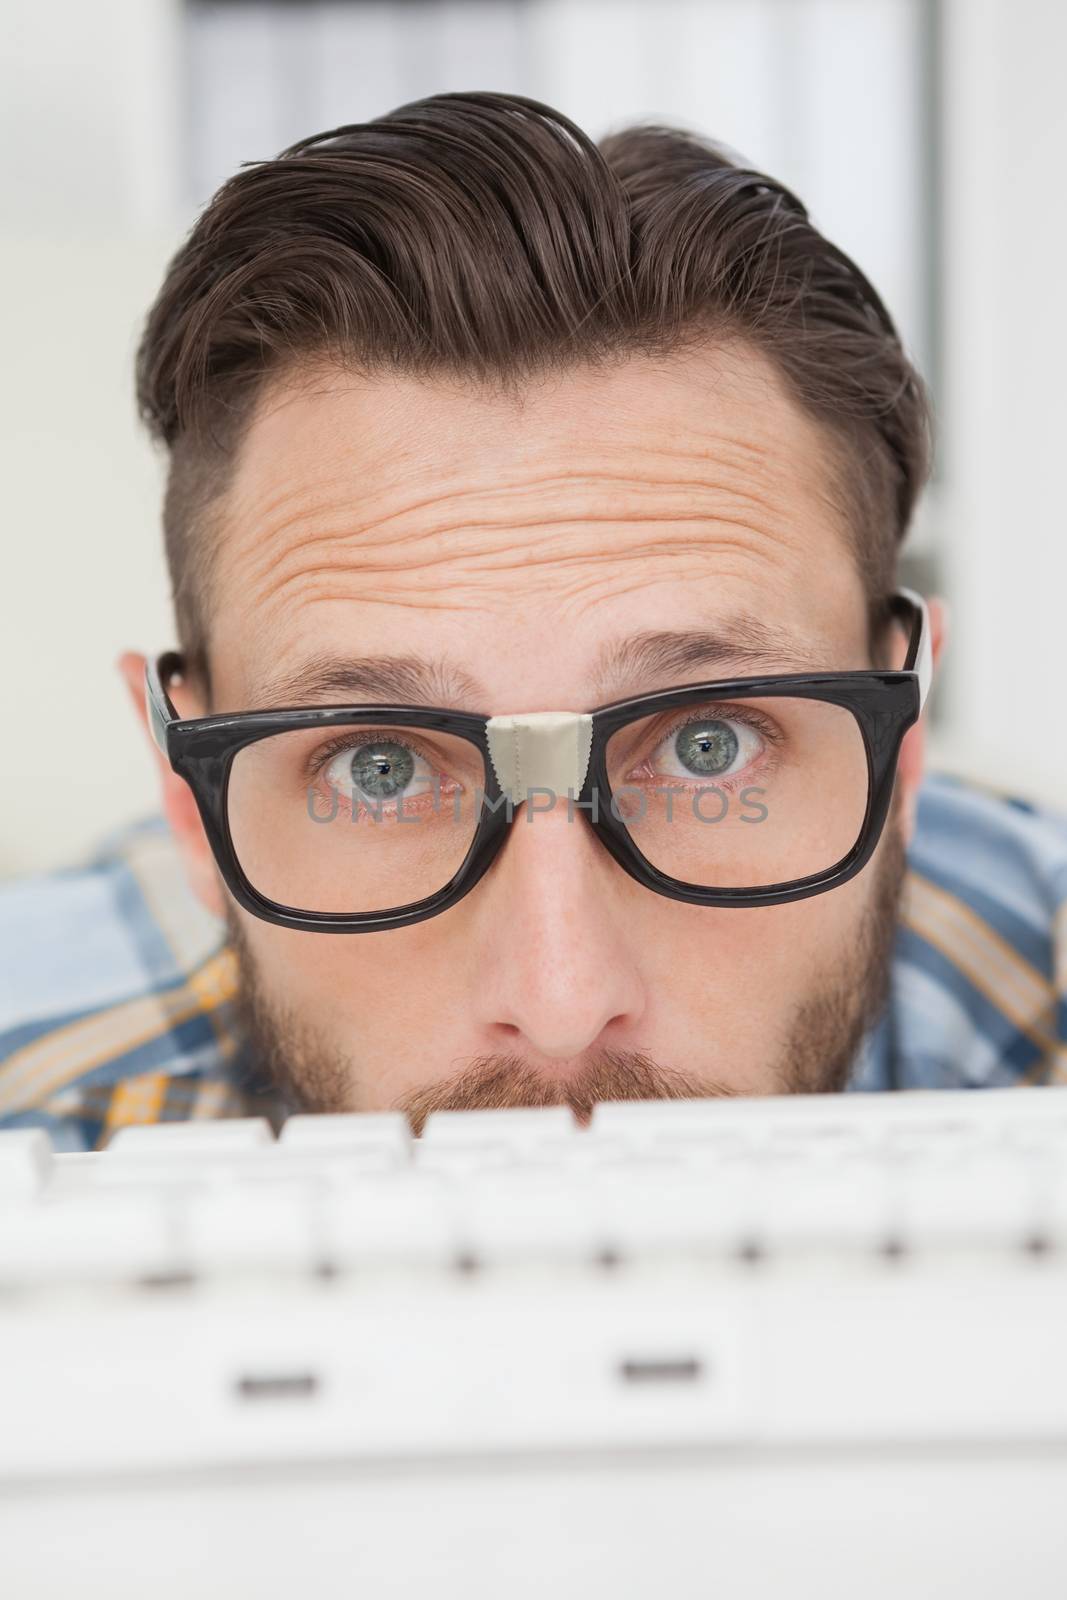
(485, 237)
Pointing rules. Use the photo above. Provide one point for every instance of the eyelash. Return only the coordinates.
(352, 741)
(727, 713)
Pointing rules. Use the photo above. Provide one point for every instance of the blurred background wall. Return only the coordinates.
(927, 137)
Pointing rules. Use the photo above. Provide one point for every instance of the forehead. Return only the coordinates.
(388, 511)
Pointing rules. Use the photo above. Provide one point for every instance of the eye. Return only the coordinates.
(378, 770)
(713, 747)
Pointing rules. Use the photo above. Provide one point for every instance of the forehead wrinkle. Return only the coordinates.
(402, 546)
(735, 562)
(302, 528)
(486, 477)
(560, 546)
(565, 574)
(296, 601)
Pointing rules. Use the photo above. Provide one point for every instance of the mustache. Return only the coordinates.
(495, 1082)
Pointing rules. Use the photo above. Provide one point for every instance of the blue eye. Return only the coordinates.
(707, 749)
(378, 770)
(712, 747)
(381, 770)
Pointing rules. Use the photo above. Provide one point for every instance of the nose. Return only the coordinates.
(557, 971)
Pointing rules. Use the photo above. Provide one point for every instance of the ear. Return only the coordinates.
(911, 764)
(178, 802)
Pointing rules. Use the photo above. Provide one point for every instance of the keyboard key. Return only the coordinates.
(375, 1140)
(191, 1138)
(511, 1217)
(475, 1141)
(401, 1220)
(981, 1202)
(461, 1157)
(518, 1129)
(271, 1227)
(90, 1237)
(717, 1121)
(646, 1207)
(26, 1158)
(823, 1206)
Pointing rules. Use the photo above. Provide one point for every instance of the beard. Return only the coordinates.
(816, 1055)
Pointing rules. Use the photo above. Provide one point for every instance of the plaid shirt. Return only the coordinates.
(117, 989)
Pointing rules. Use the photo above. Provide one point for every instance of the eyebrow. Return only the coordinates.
(407, 680)
(648, 660)
(740, 647)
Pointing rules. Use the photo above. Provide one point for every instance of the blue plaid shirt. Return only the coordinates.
(117, 989)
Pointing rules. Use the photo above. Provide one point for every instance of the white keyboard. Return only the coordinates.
(800, 1345)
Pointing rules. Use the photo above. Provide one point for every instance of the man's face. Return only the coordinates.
(517, 542)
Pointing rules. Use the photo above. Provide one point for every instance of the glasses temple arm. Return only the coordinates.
(911, 610)
(159, 707)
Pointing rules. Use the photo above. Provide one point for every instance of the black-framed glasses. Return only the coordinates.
(737, 792)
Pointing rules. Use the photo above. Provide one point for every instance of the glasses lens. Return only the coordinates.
(741, 794)
(354, 819)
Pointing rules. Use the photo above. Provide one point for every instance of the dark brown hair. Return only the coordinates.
(485, 237)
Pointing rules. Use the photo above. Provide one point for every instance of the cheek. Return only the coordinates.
(811, 936)
(360, 986)
(753, 963)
